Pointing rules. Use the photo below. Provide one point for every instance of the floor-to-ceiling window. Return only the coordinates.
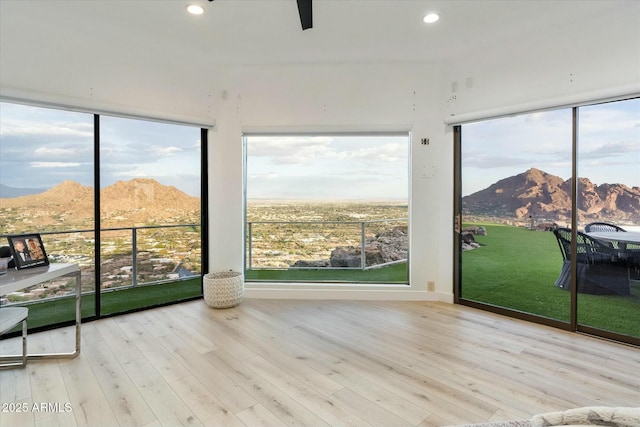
(525, 246)
(608, 196)
(150, 242)
(144, 243)
(46, 187)
(327, 207)
(514, 175)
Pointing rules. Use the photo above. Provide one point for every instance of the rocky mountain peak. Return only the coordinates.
(541, 195)
(125, 203)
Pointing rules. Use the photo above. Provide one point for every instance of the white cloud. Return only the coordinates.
(394, 152)
(55, 151)
(613, 149)
(166, 151)
(20, 128)
(350, 167)
(290, 149)
(55, 164)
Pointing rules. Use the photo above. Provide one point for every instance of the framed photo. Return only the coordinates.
(28, 251)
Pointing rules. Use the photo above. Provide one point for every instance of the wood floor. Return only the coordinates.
(313, 363)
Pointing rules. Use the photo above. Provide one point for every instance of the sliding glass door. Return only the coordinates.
(527, 236)
(608, 199)
(514, 187)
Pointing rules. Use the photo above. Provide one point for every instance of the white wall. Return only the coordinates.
(538, 72)
(588, 62)
(339, 97)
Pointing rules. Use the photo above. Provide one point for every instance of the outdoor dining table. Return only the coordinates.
(628, 245)
(616, 236)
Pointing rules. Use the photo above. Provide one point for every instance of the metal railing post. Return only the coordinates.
(134, 255)
(250, 245)
(363, 256)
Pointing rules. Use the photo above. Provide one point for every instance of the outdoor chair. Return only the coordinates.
(599, 270)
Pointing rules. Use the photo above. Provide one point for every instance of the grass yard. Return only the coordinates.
(396, 273)
(51, 312)
(516, 268)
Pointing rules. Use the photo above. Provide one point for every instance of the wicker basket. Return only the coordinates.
(223, 289)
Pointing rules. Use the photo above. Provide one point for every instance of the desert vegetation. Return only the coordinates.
(285, 234)
(160, 224)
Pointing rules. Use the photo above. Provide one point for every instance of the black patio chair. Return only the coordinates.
(599, 270)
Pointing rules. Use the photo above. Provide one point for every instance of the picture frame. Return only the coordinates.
(27, 251)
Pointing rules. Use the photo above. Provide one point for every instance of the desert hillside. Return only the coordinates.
(124, 204)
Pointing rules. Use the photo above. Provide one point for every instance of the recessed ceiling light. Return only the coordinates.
(430, 18)
(195, 9)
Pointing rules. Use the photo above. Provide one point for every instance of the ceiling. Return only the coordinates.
(269, 31)
(129, 51)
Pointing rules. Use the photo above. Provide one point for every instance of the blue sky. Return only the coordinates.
(41, 147)
(609, 145)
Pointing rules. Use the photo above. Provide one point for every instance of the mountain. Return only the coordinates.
(541, 195)
(146, 195)
(68, 202)
(124, 204)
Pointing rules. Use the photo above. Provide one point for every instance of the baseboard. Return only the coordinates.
(277, 292)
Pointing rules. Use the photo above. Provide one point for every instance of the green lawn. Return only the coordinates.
(396, 273)
(61, 310)
(517, 268)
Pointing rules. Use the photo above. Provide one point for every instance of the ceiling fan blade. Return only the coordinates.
(306, 15)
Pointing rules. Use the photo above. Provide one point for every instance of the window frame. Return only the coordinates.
(325, 284)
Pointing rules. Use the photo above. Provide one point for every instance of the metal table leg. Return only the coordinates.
(76, 352)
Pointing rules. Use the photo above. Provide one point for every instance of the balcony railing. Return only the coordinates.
(326, 244)
(177, 254)
(130, 256)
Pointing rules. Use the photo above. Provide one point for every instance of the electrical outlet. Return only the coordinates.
(431, 286)
(428, 171)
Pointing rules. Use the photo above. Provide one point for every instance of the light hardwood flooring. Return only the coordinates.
(313, 363)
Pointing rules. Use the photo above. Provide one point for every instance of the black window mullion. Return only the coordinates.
(573, 306)
(96, 210)
(204, 210)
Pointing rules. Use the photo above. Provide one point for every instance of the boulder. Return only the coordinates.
(468, 241)
(467, 237)
(477, 230)
(387, 246)
(311, 263)
(469, 246)
(350, 256)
